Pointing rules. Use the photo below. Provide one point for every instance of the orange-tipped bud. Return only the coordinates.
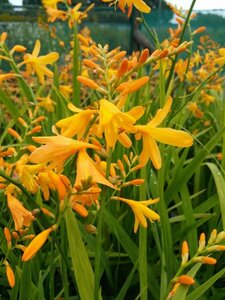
(8, 237)
(126, 159)
(212, 237)
(35, 130)
(47, 212)
(22, 122)
(186, 280)
(36, 244)
(88, 82)
(18, 48)
(185, 252)
(15, 134)
(61, 43)
(135, 182)
(80, 209)
(10, 275)
(123, 67)
(205, 260)
(20, 247)
(38, 120)
(216, 248)
(199, 30)
(15, 235)
(28, 237)
(144, 56)
(119, 55)
(90, 63)
(121, 167)
(180, 21)
(201, 242)
(3, 37)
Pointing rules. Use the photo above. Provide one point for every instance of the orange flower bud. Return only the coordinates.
(36, 244)
(205, 260)
(90, 63)
(185, 252)
(22, 122)
(80, 209)
(186, 280)
(15, 235)
(126, 159)
(216, 248)
(10, 275)
(88, 82)
(201, 242)
(39, 119)
(123, 67)
(7, 235)
(35, 129)
(47, 212)
(199, 30)
(15, 134)
(144, 56)
(119, 55)
(3, 37)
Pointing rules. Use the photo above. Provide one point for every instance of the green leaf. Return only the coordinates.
(188, 171)
(81, 265)
(220, 186)
(131, 249)
(182, 290)
(205, 286)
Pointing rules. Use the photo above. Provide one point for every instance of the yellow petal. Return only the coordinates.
(171, 136)
(36, 244)
(161, 113)
(37, 48)
(150, 150)
(142, 6)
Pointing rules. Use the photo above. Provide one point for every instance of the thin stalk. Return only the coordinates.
(181, 39)
(99, 233)
(143, 262)
(76, 68)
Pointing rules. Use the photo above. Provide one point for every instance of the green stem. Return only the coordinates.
(143, 274)
(181, 39)
(76, 68)
(99, 233)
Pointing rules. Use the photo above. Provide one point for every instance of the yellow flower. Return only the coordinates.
(38, 64)
(139, 4)
(51, 3)
(36, 244)
(141, 211)
(21, 216)
(27, 173)
(47, 103)
(113, 122)
(150, 133)
(88, 171)
(57, 149)
(221, 60)
(76, 124)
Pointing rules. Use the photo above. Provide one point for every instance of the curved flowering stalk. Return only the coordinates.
(202, 255)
